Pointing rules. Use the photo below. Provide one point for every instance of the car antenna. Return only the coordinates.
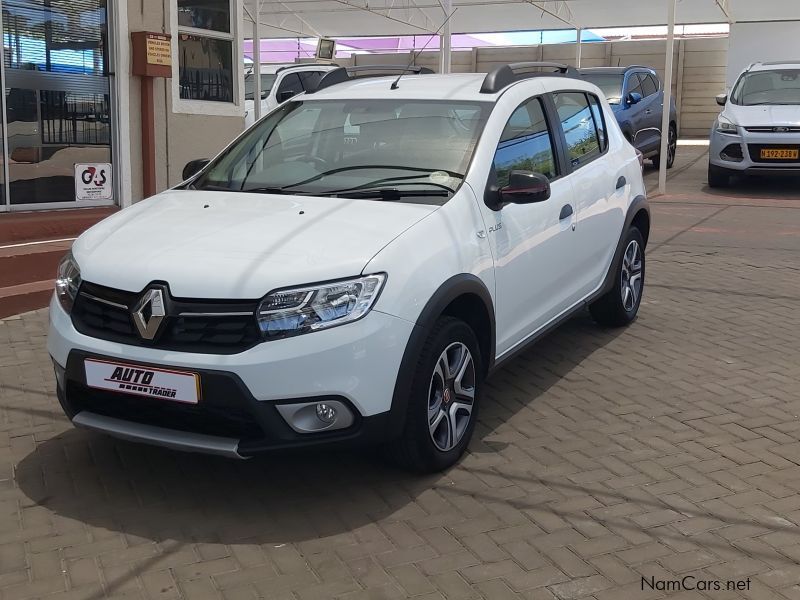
(394, 85)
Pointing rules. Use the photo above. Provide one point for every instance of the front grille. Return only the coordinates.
(210, 416)
(755, 153)
(773, 129)
(202, 326)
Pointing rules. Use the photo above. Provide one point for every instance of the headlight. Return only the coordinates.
(68, 280)
(296, 311)
(725, 125)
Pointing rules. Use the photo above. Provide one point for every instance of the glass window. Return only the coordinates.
(205, 62)
(649, 86)
(599, 121)
(205, 68)
(634, 84)
(310, 79)
(398, 150)
(290, 83)
(525, 144)
(267, 81)
(610, 85)
(58, 37)
(205, 14)
(779, 86)
(578, 126)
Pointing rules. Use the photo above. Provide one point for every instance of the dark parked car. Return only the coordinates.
(637, 99)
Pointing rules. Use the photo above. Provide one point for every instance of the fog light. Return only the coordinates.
(326, 413)
(311, 417)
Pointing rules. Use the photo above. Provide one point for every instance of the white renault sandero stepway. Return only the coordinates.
(351, 268)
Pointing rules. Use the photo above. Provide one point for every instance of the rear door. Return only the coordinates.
(598, 185)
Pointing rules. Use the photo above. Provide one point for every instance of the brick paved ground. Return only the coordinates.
(668, 449)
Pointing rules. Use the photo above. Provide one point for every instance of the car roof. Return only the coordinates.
(453, 86)
(774, 65)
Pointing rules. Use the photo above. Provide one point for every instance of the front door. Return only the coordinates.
(57, 104)
(532, 244)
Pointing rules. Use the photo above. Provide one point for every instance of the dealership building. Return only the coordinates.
(84, 117)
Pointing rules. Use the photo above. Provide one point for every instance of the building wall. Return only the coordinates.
(698, 68)
(180, 136)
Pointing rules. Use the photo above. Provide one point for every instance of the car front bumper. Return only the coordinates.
(246, 397)
(747, 143)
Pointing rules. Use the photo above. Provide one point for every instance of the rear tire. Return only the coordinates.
(443, 403)
(718, 176)
(672, 148)
(620, 305)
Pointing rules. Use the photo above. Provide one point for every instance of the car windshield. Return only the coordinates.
(413, 150)
(609, 84)
(267, 80)
(781, 86)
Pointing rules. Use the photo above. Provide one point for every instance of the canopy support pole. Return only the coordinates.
(665, 112)
(445, 39)
(257, 60)
(578, 48)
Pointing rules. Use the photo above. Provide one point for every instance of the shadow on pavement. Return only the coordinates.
(163, 495)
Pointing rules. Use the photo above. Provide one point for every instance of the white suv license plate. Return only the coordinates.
(164, 384)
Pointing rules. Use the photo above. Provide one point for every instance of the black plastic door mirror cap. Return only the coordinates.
(525, 187)
(193, 167)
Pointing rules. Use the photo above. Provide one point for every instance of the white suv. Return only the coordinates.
(758, 131)
(278, 84)
(353, 267)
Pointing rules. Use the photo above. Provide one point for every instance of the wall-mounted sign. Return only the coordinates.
(158, 49)
(93, 181)
(151, 53)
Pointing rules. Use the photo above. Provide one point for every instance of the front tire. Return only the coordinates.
(443, 403)
(620, 305)
(718, 176)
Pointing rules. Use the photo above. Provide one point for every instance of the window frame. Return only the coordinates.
(567, 162)
(209, 107)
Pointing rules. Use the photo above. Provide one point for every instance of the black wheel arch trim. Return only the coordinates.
(638, 205)
(450, 290)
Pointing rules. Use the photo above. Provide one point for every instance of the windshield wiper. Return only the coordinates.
(420, 170)
(387, 193)
(275, 190)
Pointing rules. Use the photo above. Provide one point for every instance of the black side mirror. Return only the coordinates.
(285, 95)
(721, 99)
(634, 98)
(525, 187)
(193, 167)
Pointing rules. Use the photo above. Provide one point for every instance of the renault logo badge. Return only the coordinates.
(149, 313)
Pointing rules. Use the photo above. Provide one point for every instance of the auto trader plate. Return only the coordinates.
(780, 153)
(177, 386)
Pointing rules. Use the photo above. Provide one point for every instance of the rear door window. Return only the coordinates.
(579, 127)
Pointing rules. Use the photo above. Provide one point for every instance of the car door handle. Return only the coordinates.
(621, 182)
(648, 111)
(566, 212)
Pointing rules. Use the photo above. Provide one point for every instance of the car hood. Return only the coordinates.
(226, 245)
(763, 115)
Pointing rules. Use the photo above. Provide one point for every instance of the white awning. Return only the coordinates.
(312, 18)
